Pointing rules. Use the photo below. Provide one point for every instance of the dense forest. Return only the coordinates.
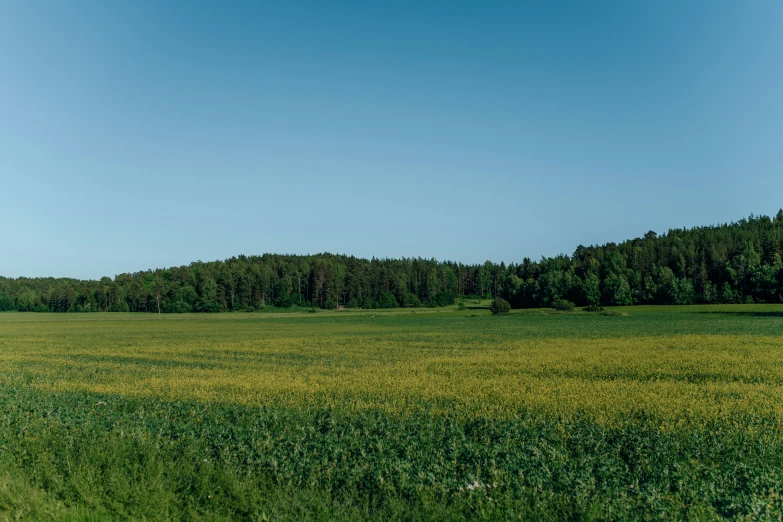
(731, 263)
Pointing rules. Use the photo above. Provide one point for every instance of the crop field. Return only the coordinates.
(638, 413)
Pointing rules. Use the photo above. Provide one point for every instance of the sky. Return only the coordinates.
(144, 134)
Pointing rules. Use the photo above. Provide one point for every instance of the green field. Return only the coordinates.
(644, 413)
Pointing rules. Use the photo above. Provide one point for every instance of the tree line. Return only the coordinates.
(736, 262)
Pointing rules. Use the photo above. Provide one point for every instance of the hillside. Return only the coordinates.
(731, 263)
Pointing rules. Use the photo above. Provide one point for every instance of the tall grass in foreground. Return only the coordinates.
(400, 417)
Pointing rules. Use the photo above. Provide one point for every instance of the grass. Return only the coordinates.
(427, 414)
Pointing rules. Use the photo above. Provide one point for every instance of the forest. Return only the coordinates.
(737, 262)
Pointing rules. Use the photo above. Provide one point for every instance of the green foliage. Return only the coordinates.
(415, 417)
(185, 300)
(617, 291)
(412, 300)
(208, 301)
(592, 290)
(186, 294)
(444, 299)
(387, 300)
(727, 294)
(709, 293)
(284, 300)
(499, 306)
(684, 294)
(563, 305)
(732, 263)
(242, 463)
(593, 308)
(178, 307)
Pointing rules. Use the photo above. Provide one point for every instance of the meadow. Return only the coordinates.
(638, 413)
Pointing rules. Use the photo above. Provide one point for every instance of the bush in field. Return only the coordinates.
(593, 308)
(563, 305)
(500, 306)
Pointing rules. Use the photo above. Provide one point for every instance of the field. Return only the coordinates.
(645, 413)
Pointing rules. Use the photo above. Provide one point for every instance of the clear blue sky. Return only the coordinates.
(142, 134)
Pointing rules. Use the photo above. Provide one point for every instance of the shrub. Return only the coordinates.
(593, 308)
(461, 306)
(500, 306)
(563, 305)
